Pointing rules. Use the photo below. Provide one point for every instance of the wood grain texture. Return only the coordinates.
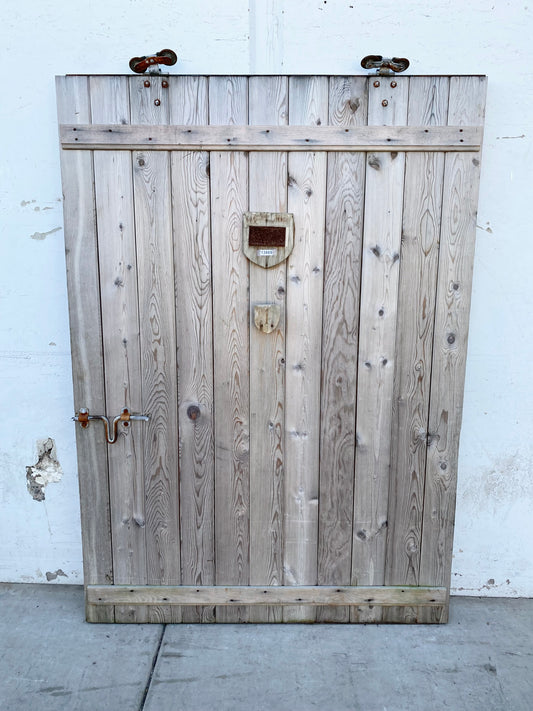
(344, 225)
(308, 104)
(376, 362)
(256, 595)
(153, 228)
(268, 102)
(424, 173)
(457, 239)
(317, 463)
(272, 138)
(86, 341)
(228, 104)
(194, 319)
(120, 324)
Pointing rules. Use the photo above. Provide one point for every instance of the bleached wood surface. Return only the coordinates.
(348, 102)
(228, 103)
(325, 451)
(194, 326)
(122, 349)
(268, 103)
(272, 138)
(377, 331)
(81, 253)
(233, 596)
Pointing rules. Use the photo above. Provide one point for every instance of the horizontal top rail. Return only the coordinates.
(270, 138)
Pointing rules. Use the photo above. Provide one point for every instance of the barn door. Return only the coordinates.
(276, 273)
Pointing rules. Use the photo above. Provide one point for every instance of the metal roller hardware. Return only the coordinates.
(83, 417)
(384, 65)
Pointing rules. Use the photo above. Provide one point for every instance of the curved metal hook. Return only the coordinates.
(83, 417)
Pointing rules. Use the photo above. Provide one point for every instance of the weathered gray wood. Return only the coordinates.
(424, 172)
(457, 239)
(228, 103)
(120, 324)
(86, 342)
(268, 102)
(261, 595)
(344, 225)
(308, 104)
(272, 138)
(252, 505)
(194, 319)
(153, 228)
(379, 301)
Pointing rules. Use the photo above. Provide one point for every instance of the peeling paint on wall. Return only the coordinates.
(53, 576)
(44, 235)
(47, 469)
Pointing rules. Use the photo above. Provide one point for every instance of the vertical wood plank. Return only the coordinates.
(348, 100)
(228, 104)
(81, 251)
(377, 331)
(153, 228)
(424, 173)
(457, 239)
(308, 105)
(268, 100)
(120, 324)
(194, 319)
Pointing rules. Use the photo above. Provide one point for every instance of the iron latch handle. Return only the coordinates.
(83, 417)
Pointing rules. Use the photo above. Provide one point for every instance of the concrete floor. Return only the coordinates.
(50, 659)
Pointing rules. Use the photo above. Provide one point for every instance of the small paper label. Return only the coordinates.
(267, 252)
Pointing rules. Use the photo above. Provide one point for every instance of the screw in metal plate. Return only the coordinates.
(147, 83)
(384, 102)
(393, 84)
(376, 84)
(164, 84)
(157, 102)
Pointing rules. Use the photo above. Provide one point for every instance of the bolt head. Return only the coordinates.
(147, 83)
(376, 84)
(384, 102)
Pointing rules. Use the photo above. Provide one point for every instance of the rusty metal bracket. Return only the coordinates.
(83, 417)
(384, 65)
(152, 61)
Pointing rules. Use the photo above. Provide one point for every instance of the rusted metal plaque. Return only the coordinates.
(267, 237)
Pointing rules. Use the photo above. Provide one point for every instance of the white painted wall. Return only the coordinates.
(493, 551)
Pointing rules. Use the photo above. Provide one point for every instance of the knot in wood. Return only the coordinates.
(193, 412)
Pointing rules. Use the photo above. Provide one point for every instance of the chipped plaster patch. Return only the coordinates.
(47, 469)
(53, 576)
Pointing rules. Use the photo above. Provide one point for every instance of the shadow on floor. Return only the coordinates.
(51, 660)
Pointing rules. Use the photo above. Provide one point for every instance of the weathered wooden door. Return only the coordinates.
(301, 471)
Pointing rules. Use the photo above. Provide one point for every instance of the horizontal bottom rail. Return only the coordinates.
(390, 595)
